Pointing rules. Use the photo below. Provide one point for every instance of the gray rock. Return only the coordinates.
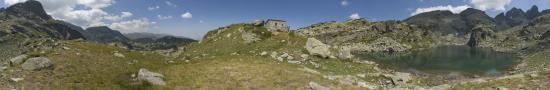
(119, 55)
(381, 44)
(37, 63)
(280, 59)
(19, 59)
(316, 47)
(284, 55)
(440, 87)
(248, 37)
(263, 53)
(151, 77)
(399, 78)
(274, 54)
(2, 68)
(304, 56)
(290, 58)
(66, 48)
(502, 88)
(293, 62)
(16, 79)
(315, 86)
(344, 53)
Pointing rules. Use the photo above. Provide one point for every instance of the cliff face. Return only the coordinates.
(508, 31)
(29, 20)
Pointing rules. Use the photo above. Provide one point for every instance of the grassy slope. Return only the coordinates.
(95, 68)
(213, 68)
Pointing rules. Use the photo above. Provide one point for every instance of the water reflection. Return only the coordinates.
(446, 60)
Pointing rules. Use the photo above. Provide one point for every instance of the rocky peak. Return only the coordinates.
(474, 17)
(105, 34)
(545, 12)
(500, 16)
(533, 12)
(99, 28)
(516, 13)
(28, 9)
(471, 11)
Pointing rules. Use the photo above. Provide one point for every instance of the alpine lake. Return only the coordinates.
(446, 60)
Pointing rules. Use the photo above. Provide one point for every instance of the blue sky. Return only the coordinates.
(167, 16)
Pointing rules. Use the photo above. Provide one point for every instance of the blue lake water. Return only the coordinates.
(462, 60)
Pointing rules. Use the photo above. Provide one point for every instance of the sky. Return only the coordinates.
(193, 18)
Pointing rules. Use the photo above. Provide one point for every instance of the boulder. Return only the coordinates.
(344, 53)
(258, 22)
(19, 59)
(119, 55)
(316, 47)
(248, 37)
(304, 56)
(263, 53)
(37, 63)
(16, 79)
(315, 86)
(273, 54)
(399, 78)
(151, 77)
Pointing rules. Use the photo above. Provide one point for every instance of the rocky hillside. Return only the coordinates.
(162, 43)
(446, 22)
(31, 21)
(38, 52)
(103, 34)
(361, 35)
(151, 41)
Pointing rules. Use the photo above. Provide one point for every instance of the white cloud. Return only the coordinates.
(11, 2)
(119, 17)
(344, 3)
(153, 8)
(498, 5)
(137, 25)
(187, 15)
(453, 9)
(355, 16)
(170, 4)
(161, 17)
(93, 14)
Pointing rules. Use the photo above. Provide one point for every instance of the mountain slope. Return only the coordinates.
(29, 19)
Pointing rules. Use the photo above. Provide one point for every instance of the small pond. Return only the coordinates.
(462, 60)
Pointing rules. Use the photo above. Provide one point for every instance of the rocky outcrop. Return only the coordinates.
(37, 63)
(316, 47)
(440, 21)
(383, 44)
(533, 13)
(481, 36)
(248, 37)
(160, 43)
(30, 9)
(29, 20)
(447, 22)
(315, 86)
(473, 17)
(150, 77)
(344, 53)
(18, 60)
(103, 34)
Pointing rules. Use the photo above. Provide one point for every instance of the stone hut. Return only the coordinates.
(274, 25)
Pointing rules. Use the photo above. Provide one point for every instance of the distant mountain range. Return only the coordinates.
(29, 20)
